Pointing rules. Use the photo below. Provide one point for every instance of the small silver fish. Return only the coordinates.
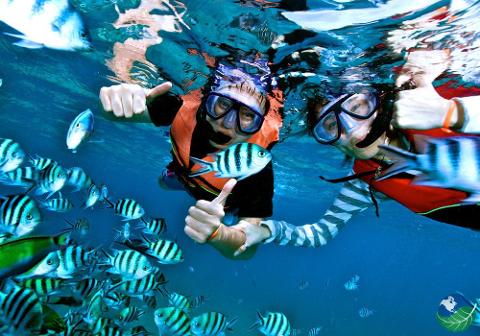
(93, 195)
(352, 284)
(237, 161)
(444, 162)
(365, 312)
(80, 129)
(11, 155)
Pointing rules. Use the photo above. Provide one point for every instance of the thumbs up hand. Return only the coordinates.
(127, 100)
(205, 217)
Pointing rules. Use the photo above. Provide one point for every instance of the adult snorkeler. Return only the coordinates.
(238, 105)
(357, 123)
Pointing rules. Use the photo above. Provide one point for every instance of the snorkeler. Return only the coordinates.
(357, 123)
(237, 107)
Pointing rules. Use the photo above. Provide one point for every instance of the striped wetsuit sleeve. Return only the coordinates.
(353, 198)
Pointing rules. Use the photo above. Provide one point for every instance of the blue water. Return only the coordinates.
(406, 263)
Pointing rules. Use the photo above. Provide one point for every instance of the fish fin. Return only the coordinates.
(200, 172)
(28, 44)
(421, 142)
(205, 167)
(231, 323)
(405, 161)
(473, 198)
(96, 141)
(258, 323)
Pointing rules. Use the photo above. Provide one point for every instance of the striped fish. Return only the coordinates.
(74, 259)
(51, 180)
(172, 321)
(81, 226)
(128, 208)
(197, 301)
(19, 214)
(444, 162)
(60, 204)
(365, 312)
(43, 286)
(11, 155)
(273, 324)
(21, 177)
(129, 264)
(140, 331)
(165, 251)
(150, 301)
(93, 195)
(95, 307)
(179, 301)
(21, 309)
(111, 331)
(237, 161)
(115, 300)
(85, 287)
(101, 324)
(40, 162)
(130, 314)
(154, 226)
(78, 179)
(352, 284)
(314, 331)
(211, 324)
(146, 285)
(45, 267)
(80, 130)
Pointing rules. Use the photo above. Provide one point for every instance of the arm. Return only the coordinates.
(353, 198)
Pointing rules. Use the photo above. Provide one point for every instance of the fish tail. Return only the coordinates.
(404, 161)
(109, 203)
(231, 323)
(258, 323)
(206, 167)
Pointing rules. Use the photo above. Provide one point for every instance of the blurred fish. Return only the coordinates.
(237, 161)
(272, 324)
(80, 129)
(103, 192)
(127, 208)
(45, 267)
(129, 264)
(179, 301)
(130, 314)
(444, 162)
(211, 324)
(21, 177)
(303, 285)
(40, 162)
(60, 204)
(93, 195)
(352, 284)
(140, 331)
(115, 300)
(20, 255)
(21, 310)
(11, 155)
(123, 235)
(51, 180)
(45, 23)
(314, 331)
(77, 178)
(154, 226)
(150, 301)
(365, 312)
(85, 287)
(172, 321)
(165, 251)
(198, 301)
(19, 214)
(81, 226)
(52, 321)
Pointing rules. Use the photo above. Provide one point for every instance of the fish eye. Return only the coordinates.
(261, 153)
(29, 216)
(77, 125)
(49, 262)
(145, 268)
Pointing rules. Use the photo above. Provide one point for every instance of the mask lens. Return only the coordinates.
(326, 129)
(361, 105)
(249, 120)
(217, 106)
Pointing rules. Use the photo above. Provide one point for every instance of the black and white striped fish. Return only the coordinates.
(128, 208)
(11, 155)
(93, 195)
(51, 180)
(273, 324)
(40, 162)
(237, 161)
(365, 312)
(130, 314)
(143, 286)
(73, 260)
(85, 287)
(165, 251)
(21, 310)
(78, 179)
(172, 321)
(179, 301)
(211, 324)
(19, 214)
(59, 204)
(154, 226)
(444, 162)
(45, 23)
(43, 286)
(140, 331)
(129, 264)
(115, 300)
(21, 177)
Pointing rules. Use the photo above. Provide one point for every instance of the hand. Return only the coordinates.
(422, 108)
(254, 233)
(205, 217)
(126, 100)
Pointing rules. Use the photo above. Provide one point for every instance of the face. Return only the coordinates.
(228, 124)
(354, 130)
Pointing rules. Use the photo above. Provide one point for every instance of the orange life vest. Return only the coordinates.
(181, 133)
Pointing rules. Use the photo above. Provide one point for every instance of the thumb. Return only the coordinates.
(227, 189)
(158, 90)
(240, 250)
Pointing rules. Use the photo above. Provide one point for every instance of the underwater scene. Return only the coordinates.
(239, 167)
